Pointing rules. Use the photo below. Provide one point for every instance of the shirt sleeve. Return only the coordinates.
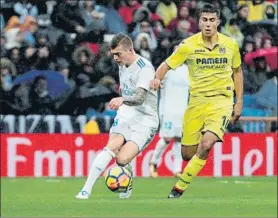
(236, 62)
(145, 77)
(179, 56)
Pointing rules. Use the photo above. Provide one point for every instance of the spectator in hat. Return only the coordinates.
(145, 27)
(83, 59)
(142, 45)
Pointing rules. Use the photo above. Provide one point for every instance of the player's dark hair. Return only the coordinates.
(121, 39)
(208, 8)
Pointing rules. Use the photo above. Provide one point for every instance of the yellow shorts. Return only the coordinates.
(209, 114)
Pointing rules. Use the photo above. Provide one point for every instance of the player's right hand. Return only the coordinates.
(156, 84)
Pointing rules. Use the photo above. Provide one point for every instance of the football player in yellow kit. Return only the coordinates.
(215, 73)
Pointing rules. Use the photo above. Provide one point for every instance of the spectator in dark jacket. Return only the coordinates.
(105, 65)
(161, 52)
(41, 103)
(18, 102)
(83, 60)
(8, 73)
(15, 56)
(241, 17)
(43, 61)
(68, 16)
(255, 75)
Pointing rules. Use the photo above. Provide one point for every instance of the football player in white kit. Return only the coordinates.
(171, 111)
(136, 121)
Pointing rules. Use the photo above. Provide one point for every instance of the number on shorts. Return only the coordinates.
(225, 122)
(168, 125)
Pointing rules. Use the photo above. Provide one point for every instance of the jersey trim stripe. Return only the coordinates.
(141, 63)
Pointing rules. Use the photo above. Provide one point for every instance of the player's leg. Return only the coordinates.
(128, 151)
(177, 158)
(158, 151)
(191, 136)
(139, 139)
(195, 165)
(118, 134)
(100, 163)
(215, 125)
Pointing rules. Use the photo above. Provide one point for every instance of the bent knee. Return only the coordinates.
(186, 156)
(122, 161)
(187, 152)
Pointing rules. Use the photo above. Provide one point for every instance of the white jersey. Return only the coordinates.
(173, 102)
(174, 94)
(139, 74)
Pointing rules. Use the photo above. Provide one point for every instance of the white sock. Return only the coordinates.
(176, 151)
(159, 148)
(98, 166)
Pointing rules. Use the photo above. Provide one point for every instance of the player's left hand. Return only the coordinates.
(115, 103)
(237, 111)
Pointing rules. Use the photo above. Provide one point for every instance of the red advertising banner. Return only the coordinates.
(70, 155)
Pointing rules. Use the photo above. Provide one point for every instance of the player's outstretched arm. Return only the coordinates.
(159, 76)
(238, 80)
(137, 99)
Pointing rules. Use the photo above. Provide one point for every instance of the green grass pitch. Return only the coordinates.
(207, 197)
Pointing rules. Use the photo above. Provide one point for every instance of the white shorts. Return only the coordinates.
(133, 131)
(170, 126)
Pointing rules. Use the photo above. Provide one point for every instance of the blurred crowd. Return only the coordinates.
(42, 40)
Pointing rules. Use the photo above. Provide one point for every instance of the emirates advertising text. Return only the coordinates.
(70, 155)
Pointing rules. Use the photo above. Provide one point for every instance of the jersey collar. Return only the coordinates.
(201, 41)
(133, 66)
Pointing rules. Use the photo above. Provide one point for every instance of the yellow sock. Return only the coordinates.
(192, 169)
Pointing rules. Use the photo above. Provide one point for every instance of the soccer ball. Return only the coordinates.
(118, 179)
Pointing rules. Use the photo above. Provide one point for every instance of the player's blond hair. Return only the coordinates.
(121, 39)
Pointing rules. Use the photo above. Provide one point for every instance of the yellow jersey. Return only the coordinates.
(210, 71)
